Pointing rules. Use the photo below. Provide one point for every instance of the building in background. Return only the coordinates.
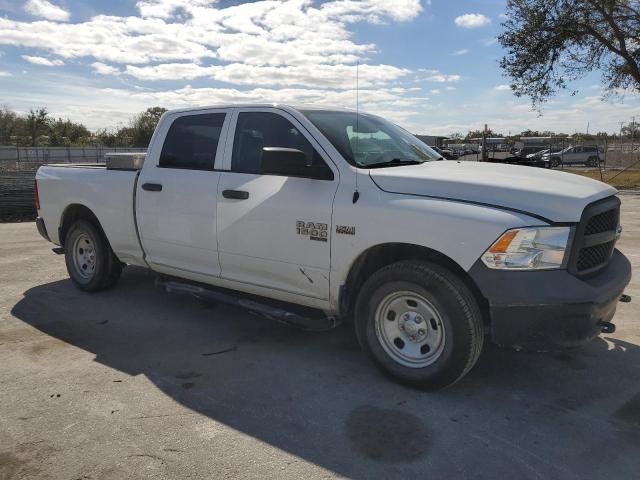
(433, 141)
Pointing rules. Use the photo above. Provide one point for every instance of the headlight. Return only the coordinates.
(531, 248)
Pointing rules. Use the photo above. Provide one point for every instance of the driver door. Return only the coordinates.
(274, 230)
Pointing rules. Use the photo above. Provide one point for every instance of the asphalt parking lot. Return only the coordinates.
(135, 383)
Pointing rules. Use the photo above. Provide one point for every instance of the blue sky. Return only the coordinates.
(431, 66)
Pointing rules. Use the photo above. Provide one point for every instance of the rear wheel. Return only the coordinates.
(555, 162)
(420, 324)
(90, 261)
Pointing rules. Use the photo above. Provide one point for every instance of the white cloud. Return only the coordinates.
(472, 20)
(462, 51)
(373, 10)
(46, 9)
(320, 76)
(391, 103)
(502, 88)
(488, 42)
(5, 74)
(435, 91)
(292, 32)
(293, 51)
(104, 69)
(43, 61)
(437, 76)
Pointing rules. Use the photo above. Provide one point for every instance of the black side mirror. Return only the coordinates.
(291, 162)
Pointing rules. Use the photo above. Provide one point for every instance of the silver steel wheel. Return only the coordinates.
(410, 329)
(84, 256)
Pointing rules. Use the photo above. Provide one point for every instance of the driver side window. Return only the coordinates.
(258, 130)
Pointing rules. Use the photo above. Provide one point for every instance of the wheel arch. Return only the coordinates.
(376, 257)
(74, 212)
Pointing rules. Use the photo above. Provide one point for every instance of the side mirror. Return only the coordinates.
(291, 162)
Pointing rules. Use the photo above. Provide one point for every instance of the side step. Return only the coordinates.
(311, 319)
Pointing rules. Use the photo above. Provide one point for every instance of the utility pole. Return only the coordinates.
(485, 154)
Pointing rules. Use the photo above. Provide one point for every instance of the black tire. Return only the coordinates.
(106, 266)
(457, 309)
(555, 162)
(592, 162)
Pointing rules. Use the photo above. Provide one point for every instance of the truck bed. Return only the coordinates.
(108, 193)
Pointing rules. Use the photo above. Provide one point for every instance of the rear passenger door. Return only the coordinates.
(575, 155)
(177, 194)
(274, 231)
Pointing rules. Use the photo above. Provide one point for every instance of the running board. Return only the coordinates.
(321, 322)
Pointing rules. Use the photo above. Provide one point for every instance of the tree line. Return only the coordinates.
(38, 128)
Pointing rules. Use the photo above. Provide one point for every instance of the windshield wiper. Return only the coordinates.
(394, 163)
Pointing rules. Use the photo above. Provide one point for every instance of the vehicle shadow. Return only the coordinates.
(316, 396)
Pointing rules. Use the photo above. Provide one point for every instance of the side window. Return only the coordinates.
(192, 142)
(257, 130)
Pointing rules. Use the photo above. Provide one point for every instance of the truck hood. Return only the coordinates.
(556, 196)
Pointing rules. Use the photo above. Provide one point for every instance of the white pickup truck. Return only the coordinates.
(349, 215)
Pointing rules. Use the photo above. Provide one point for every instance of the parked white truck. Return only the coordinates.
(352, 216)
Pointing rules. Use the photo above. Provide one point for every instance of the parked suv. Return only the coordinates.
(588, 155)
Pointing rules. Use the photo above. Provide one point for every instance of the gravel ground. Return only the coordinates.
(134, 383)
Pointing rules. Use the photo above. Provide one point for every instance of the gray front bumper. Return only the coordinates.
(539, 310)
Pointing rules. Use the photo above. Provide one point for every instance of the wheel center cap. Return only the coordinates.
(413, 326)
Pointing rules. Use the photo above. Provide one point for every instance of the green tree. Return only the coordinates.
(478, 134)
(9, 124)
(64, 132)
(631, 130)
(37, 123)
(142, 126)
(551, 43)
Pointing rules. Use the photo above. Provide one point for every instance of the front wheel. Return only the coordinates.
(90, 261)
(420, 323)
(592, 162)
(555, 162)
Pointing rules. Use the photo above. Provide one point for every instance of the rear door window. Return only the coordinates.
(192, 142)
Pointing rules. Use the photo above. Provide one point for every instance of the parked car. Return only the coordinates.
(588, 155)
(347, 215)
(446, 154)
(538, 154)
(527, 150)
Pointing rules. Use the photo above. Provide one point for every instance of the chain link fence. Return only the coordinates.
(609, 159)
(18, 166)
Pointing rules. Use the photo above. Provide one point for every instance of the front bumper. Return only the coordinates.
(543, 309)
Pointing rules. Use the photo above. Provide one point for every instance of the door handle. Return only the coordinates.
(235, 194)
(152, 187)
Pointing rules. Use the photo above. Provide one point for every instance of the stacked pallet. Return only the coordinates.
(16, 193)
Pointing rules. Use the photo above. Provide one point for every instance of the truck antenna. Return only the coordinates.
(356, 194)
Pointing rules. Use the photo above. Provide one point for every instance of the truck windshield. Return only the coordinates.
(367, 141)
